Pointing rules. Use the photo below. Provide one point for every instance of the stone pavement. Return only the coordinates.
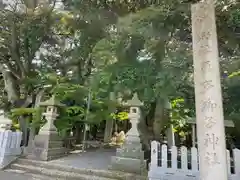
(14, 176)
(92, 159)
(99, 159)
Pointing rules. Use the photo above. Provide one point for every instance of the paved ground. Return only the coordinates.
(92, 159)
(13, 176)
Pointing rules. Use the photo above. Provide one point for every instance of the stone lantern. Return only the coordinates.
(5, 123)
(134, 117)
(50, 115)
(48, 144)
(130, 157)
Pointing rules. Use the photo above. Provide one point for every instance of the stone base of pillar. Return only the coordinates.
(47, 147)
(130, 158)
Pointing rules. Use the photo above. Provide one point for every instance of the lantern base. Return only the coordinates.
(47, 147)
(129, 165)
(130, 157)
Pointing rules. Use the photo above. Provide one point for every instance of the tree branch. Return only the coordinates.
(13, 71)
(15, 48)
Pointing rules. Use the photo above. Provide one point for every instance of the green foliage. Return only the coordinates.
(121, 116)
(37, 120)
(33, 115)
(17, 112)
(22, 112)
(179, 115)
(112, 46)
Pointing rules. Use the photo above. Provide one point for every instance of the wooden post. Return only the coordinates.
(209, 110)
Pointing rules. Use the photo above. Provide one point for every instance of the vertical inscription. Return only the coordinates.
(204, 36)
(203, 50)
(207, 85)
(208, 105)
(211, 140)
(205, 66)
(211, 158)
(209, 122)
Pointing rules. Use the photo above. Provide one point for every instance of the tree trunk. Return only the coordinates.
(78, 134)
(32, 132)
(161, 117)
(11, 87)
(145, 135)
(108, 130)
(151, 126)
(158, 120)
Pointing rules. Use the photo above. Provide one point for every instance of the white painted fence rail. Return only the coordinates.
(9, 147)
(182, 164)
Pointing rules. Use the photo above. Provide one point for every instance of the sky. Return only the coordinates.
(11, 4)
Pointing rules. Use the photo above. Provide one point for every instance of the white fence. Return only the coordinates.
(182, 163)
(9, 147)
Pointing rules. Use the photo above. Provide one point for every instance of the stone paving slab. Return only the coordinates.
(92, 159)
(13, 176)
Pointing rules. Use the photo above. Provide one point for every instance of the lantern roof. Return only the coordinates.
(134, 102)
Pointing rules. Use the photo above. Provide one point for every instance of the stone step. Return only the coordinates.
(54, 174)
(54, 156)
(100, 173)
(30, 175)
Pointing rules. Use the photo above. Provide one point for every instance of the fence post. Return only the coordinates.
(154, 153)
(164, 159)
(5, 142)
(228, 163)
(194, 159)
(8, 149)
(184, 156)
(174, 159)
(154, 160)
(236, 157)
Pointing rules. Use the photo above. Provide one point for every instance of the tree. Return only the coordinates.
(109, 46)
(153, 54)
(23, 34)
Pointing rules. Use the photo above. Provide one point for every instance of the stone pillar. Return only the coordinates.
(48, 144)
(130, 157)
(208, 95)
